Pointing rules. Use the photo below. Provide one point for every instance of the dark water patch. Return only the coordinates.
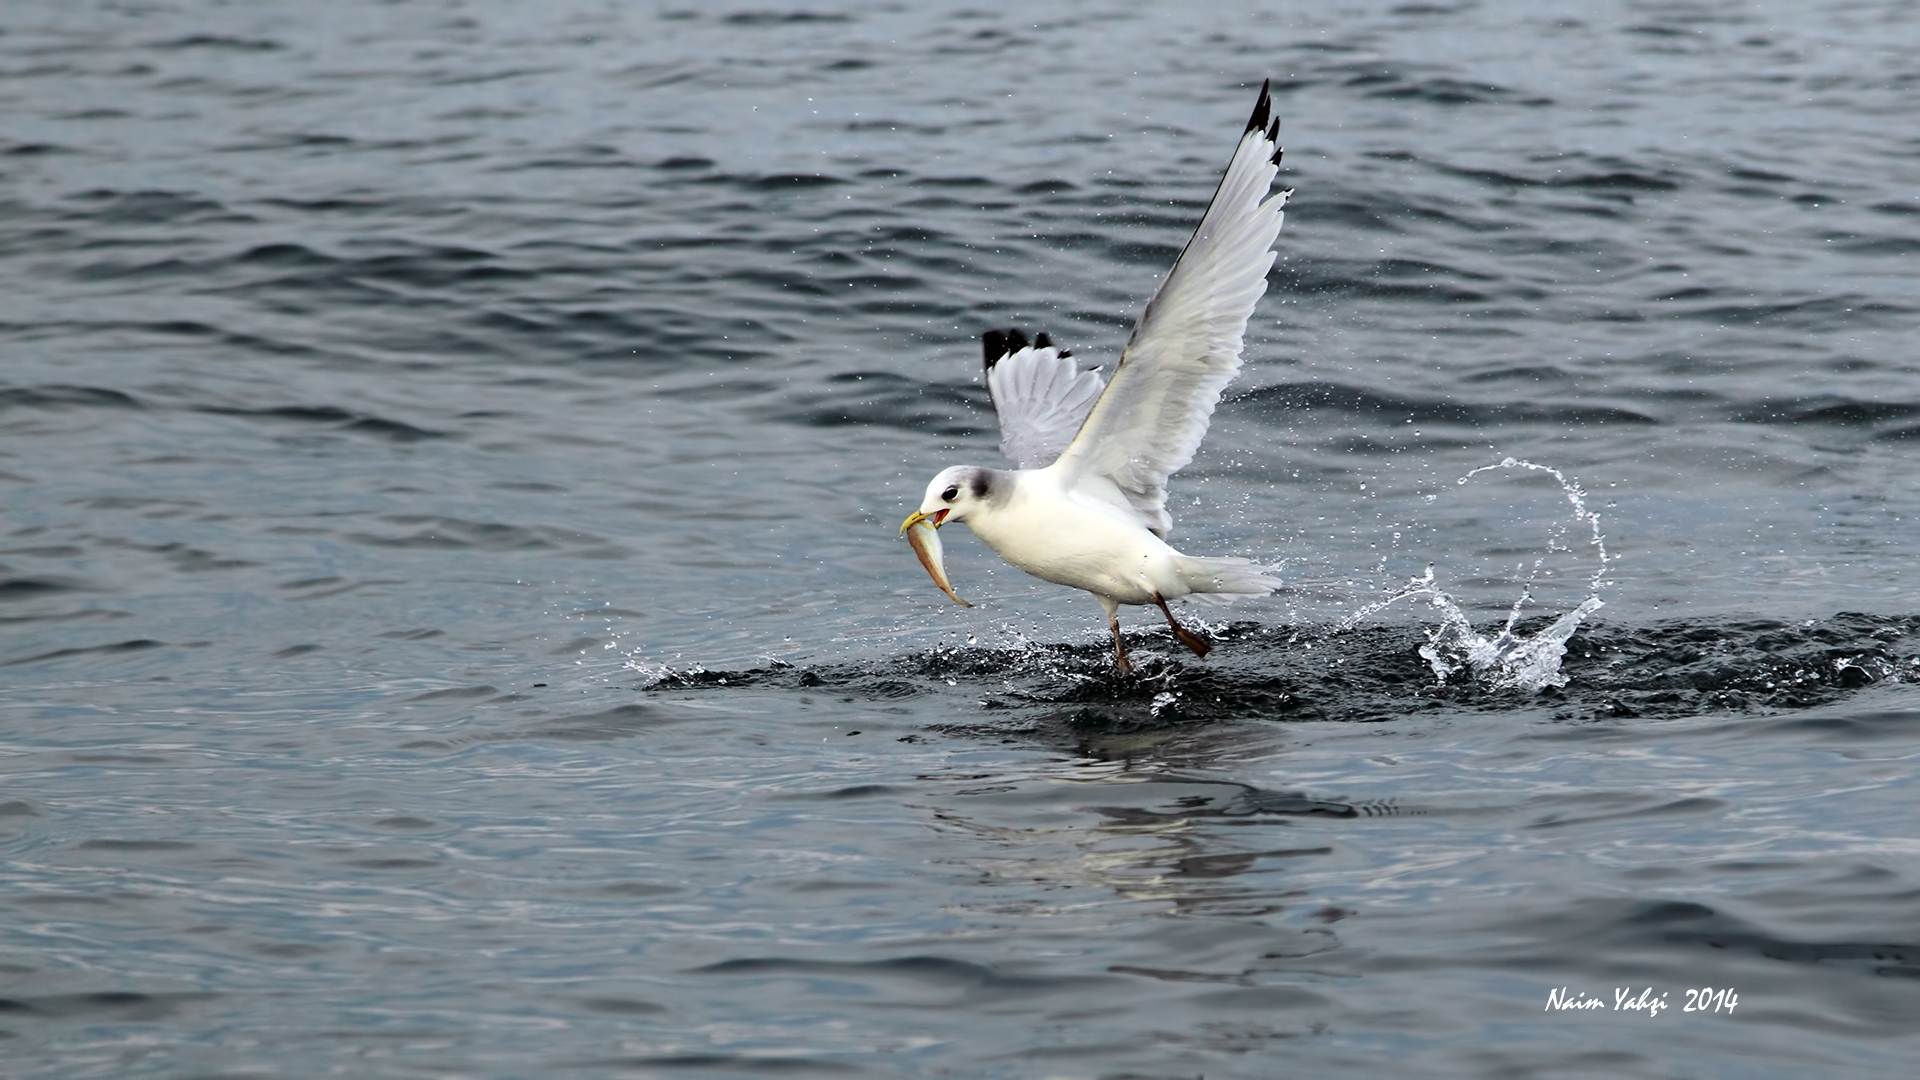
(161, 508)
(17, 808)
(799, 282)
(638, 890)
(1623, 927)
(113, 649)
(1683, 668)
(727, 1065)
(1366, 281)
(580, 157)
(1575, 171)
(105, 1006)
(56, 396)
(619, 722)
(13, 590)
(45, 551)
(1139, 252)
(455, 693)
(342, 589)
(64, 900)
(1335, 212)
(883, 399)
(289, 950)
(1849, 313)
(335, 417)
(1879, 245)
(1561, 819)
(185, 559)
(1176, 797)
(1070, 693)
(936, 973)
(434, 532)
(303, 271)
(1839, 412)
(785, 181)
(1853, 727)
(134, 845)
(332, 205)
(621, 1006)
(1285, 401)
(152, 207)
(1236, 864)
(219, 42)
(855, 791)
(285, 256)
(392, 430)
(1446, 91)
(394, 864)
(964, 181)
(783, 18)
(1762, 176)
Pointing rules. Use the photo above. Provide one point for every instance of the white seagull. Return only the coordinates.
(1087, 506)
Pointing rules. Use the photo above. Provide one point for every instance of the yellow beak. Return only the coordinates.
(919, 516)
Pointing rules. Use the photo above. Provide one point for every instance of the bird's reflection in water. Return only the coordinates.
(1122, 831)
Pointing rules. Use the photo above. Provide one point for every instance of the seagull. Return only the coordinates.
(1087, 505)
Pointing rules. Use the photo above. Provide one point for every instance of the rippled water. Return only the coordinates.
(452, 624)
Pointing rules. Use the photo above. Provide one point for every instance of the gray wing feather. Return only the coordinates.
(1186, 346)
(1042, 397)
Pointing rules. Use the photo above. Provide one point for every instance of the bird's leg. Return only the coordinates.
(1187, 637)
(1120, 662)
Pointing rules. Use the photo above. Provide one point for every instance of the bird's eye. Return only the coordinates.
(950, 494)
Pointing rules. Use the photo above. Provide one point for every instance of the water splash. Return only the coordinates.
(1557, 533)
(1508, 659)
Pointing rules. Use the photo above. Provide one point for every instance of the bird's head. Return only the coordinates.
(953, 495)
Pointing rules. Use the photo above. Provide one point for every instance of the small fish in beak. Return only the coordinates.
(923, 532)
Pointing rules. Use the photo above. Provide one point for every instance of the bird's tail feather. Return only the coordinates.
(1226, 577)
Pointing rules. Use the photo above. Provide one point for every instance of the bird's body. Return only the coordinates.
(1057, 533)
(1087, 507)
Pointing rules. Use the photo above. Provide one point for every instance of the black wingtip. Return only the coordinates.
(994, 344)
(998, 343)
(1262, 109)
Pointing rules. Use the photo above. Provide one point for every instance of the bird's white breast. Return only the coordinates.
(1075, 538)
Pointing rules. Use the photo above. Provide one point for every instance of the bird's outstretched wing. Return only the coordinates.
(1186, 346)
(1042, 396)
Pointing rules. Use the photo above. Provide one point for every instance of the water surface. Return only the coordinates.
(452, 623)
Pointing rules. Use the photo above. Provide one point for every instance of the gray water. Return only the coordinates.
(452, 624)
